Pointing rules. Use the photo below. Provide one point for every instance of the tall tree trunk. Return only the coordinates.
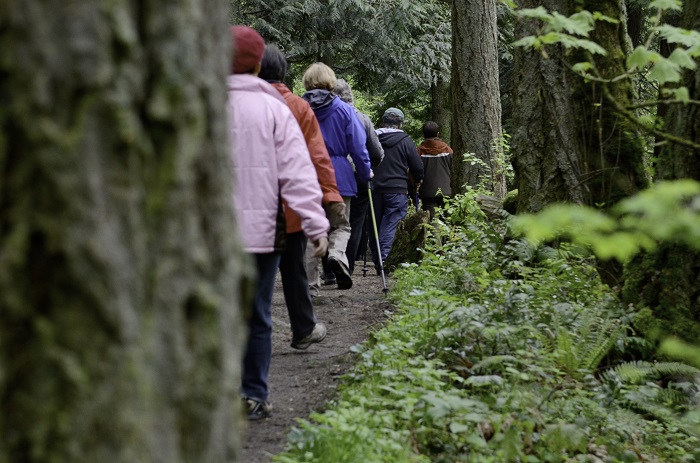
(667, 281)
(121, 281)
(476, 117)
(440, 110)
(570, 143)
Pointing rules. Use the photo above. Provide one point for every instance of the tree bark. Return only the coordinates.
(121, 280)
(440, 110)
(570, 142)
(667, 281)
(476, 117)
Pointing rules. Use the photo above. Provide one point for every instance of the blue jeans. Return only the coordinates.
(256, 363)
(389, 209)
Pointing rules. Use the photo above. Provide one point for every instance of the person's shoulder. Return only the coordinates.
(344, 107)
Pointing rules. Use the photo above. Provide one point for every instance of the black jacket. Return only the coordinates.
(437, 166)
(400, 158)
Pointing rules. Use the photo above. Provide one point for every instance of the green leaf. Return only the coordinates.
(681, 94)
(538, 13)
(582, 67)
(641, 57)
(621, 246)
(598, 16)
(457, 428)
(665, 71)
(687, 38)
(527, 42)
(683, 59)
(591, 47)
(580, 23)
(663, 5)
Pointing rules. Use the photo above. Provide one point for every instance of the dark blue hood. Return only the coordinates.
(321, 101)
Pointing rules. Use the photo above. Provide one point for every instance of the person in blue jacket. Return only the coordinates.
(345, 139)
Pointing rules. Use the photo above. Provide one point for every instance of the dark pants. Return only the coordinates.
(357, 245)
(389, 209)
(256, 363)
(295, 286)
(430, 204)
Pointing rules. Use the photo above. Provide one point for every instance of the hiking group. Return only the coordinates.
(306, 170)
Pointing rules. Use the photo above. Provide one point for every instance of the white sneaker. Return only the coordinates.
(317, 335)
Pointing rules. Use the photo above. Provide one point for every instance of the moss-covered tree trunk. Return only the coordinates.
(121, 281)
(665, 284)
(570, 143)
(476, 105)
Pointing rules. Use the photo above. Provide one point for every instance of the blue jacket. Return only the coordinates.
(344, 135)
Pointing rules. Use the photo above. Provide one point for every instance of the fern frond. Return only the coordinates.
(640, 371)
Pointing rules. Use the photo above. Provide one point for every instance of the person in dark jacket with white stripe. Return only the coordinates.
(390, 195)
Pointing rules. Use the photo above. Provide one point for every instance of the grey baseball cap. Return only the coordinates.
(394, 112)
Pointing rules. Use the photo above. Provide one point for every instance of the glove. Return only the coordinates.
(336, 214)
(320, 247)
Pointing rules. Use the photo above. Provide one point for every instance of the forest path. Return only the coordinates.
(303, 381)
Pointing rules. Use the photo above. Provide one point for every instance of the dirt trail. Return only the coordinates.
(302, 381)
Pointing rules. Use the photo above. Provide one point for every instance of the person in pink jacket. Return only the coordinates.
(270, 163)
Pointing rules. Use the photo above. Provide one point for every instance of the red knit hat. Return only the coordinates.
(248, 49)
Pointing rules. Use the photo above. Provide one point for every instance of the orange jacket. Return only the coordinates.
(317, 148)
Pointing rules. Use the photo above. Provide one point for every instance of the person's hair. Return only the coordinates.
(318, 75)
(343, 90)
(430, 129)
(273, 66)
(391, 121)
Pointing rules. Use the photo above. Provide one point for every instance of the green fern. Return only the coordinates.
(639, 387)
(640, 371)
(580, 347)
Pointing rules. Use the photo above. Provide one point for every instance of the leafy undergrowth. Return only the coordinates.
(501, 352)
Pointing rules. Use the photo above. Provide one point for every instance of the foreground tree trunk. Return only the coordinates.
(121, 281)
(476, 116)
(666, 283)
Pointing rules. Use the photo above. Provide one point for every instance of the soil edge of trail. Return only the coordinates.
(302, 381)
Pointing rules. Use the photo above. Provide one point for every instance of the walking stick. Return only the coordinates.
(365, 245)
(376, 236)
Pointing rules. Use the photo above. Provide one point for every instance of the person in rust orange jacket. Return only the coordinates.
(295, 285)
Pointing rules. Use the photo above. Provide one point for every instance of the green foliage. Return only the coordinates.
(669, 212)
(499, 352)
(653, 73)
(391, 48)
(563, 30)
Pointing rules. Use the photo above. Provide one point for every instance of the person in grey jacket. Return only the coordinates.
(360, 203)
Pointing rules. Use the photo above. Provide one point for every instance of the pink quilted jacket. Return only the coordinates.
(270, 158)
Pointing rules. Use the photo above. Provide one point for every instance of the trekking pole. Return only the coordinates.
(365, 245)
(376, 236)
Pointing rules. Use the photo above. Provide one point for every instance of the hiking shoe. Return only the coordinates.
(317, 335)
(328, 279)
(342, 273)
(257, 409)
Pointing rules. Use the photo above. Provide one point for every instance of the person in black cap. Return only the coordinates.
(390, 195)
